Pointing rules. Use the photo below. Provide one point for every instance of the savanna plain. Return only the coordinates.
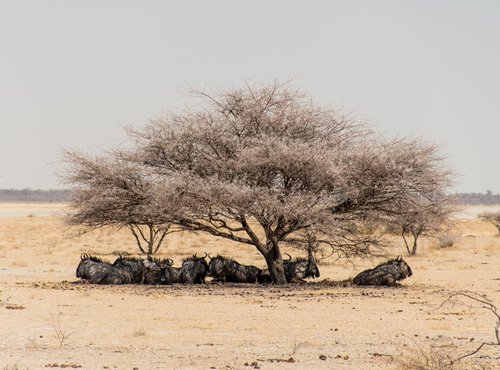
(49, 319)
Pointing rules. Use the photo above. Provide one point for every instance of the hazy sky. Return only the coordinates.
(73, 72)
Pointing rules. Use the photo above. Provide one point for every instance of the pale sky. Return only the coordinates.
(72, 73)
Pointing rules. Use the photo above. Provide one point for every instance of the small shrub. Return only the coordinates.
(61, 334)
(122, 253)
(140, 332)
(493, 217)
(422, 358)
(447, 240)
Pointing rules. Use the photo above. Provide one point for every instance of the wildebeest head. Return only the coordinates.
(194, 270)
(198, 259)
(81, 270)
(217, 267)
(96, 271)
(155, 270)
(402, 267)
(300, 269)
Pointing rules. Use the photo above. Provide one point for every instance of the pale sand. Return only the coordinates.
(199, 327)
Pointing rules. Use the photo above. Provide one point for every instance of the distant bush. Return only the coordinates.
(493, 217)
(487, 198)
(34, 196)
(447, 239)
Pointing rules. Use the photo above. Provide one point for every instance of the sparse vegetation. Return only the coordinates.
(448, 237)
(205, 320)
(426, 358)
(139, 332)
(60, 333)
(486, 304)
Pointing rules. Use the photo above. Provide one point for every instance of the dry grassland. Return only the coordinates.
(48, 319)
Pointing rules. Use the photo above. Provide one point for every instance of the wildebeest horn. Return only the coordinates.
(209, 256)
(170, 261)
(196, 255)
(289, 257)
(82, 256)
(206, 255)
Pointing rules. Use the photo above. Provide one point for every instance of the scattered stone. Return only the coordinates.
(14, 307)
(70, 365)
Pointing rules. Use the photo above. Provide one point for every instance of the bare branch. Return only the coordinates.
(485, 304)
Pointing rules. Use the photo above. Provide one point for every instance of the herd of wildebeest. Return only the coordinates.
(194, 270)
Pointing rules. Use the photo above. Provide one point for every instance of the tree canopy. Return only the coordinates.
(263, 165)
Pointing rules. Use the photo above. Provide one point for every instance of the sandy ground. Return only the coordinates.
(48, 319)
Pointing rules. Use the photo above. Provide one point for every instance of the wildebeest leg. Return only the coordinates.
(389, 280)
(295, 280)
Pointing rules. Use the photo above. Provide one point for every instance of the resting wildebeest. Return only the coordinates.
(194, 270)
(96, 271)
(300, 269)
(172, 274)
(135, 266)
(227, 270)
(387, 273)
(154, 270)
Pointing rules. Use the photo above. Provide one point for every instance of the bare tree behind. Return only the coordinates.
(112, 191)
(261, 165)
(492, 217)
(424, 215)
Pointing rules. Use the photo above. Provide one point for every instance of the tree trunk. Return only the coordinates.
(416, 234)
(414, 248)
(406, 242)
(275, 263)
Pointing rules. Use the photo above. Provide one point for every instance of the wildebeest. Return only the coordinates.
(387, 273)
(96, 271)
(172, 274)
(154, 270)
(228, 270)
(300, 269)
(265, 277)
(194, 270)
(135, 266)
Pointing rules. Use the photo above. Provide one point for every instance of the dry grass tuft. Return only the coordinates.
(427, 358)
(122, 253)
(60, 333)
(447, 239)
(139, 332)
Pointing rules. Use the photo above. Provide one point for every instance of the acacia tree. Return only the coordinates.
(109, 190)
(263, 165)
